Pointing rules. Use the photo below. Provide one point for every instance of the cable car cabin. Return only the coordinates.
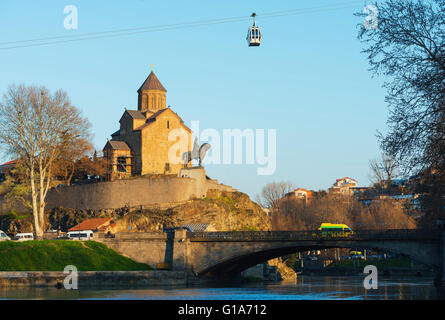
(335, 230)
(254, 36)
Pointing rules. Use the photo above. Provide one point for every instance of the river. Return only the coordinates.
(304, 288)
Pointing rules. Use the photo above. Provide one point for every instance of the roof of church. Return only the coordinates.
(117, 145)
(153, 117)
(150, 119)
(136, 114)
(152, 82)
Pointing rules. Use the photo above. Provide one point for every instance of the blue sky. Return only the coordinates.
(308, 80)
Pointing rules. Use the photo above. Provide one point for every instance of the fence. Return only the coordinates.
(360, 235)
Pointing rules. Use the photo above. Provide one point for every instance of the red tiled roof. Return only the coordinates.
(9, 163)
(105, 227)
(90, 224)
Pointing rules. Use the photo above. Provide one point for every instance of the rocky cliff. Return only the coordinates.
(222, 210)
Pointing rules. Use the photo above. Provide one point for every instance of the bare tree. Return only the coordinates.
(408, 47)
(94, 166)
(259, 200)
(383, 171)
(34, 125)
(274, 191)
(72, 150)
(383, 214)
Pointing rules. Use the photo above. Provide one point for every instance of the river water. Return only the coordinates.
(304, 288)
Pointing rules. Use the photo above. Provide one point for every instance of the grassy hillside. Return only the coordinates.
(54, 255)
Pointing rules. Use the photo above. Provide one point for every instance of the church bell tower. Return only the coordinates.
(152, 94)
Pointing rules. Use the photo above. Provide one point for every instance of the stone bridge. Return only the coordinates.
(228, 253)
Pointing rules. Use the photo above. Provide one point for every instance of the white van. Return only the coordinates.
(80, 235)
(3, 236)
(24, 236)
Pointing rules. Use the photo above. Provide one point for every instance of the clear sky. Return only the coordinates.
(308, 79)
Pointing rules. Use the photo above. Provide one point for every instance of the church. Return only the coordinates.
(141, 145)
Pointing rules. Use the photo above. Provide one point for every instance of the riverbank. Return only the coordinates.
(93, 279)
(386, 267)
(344, 271)
(55, 255)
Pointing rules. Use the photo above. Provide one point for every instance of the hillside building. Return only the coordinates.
(143, 143)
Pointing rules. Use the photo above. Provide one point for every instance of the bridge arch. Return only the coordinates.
(231, 256)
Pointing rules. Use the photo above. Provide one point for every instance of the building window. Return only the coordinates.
(167, 167)
(168, 124)
(121, 164)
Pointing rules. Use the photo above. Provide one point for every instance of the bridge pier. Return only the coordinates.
(180, 251)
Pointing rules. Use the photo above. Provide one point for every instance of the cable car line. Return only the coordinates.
(222, 20)
(159, 28)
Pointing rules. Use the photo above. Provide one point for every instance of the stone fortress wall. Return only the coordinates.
(142, 191)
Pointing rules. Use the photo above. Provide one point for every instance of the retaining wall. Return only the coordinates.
(92, 278)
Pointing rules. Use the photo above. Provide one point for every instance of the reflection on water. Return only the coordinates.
(304, 288)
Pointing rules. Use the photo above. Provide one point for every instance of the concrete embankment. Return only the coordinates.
(93, 278)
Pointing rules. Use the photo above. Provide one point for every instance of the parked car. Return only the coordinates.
(4, 236)
(24, 236)
(80, 235)
(63, 236)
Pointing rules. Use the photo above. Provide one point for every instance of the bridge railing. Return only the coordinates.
(359, 235)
